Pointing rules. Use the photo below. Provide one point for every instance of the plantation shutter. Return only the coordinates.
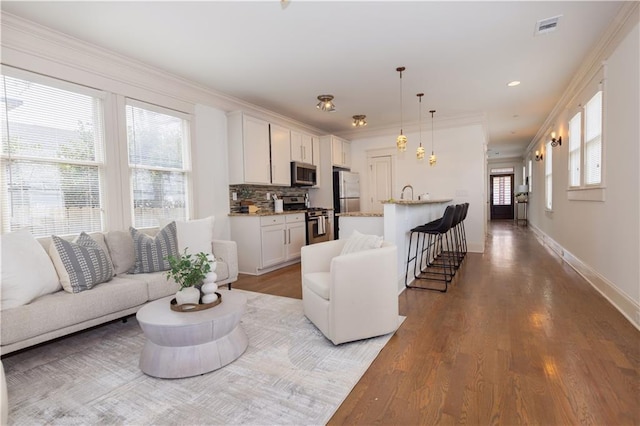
(52, 155)
(575, 137)
(593, 140)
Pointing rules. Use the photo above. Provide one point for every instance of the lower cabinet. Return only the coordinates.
(266, 243)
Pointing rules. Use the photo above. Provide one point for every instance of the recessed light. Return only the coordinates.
(513, 83)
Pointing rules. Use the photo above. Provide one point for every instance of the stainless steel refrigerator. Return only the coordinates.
(346, 195)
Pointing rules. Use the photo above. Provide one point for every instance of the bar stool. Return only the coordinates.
(435, 241)
(454, 255)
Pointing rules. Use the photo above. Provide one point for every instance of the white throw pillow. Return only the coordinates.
(358, 242)
(195, 235)
(27, 270)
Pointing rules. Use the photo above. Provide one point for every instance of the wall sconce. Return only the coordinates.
(538, 156)
(555, 142)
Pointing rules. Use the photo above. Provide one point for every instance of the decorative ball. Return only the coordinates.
(210, 277)
(209, 298)
(209, 288)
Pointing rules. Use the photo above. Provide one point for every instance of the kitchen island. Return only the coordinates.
(395, 224)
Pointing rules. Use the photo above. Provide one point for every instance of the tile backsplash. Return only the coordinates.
(258, 194)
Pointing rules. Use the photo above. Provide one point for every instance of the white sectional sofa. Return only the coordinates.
(60, 313)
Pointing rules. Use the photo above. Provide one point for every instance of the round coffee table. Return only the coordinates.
(184, 344)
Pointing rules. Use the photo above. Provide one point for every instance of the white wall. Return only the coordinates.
(601, 239)
(458, 174)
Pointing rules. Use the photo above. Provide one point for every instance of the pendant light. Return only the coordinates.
(401, 141)
(420, 150)
(432, 157)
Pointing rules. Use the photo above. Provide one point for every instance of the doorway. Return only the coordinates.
(380, 181)
(502, 197)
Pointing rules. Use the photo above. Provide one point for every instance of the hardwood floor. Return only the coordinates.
(520, 338)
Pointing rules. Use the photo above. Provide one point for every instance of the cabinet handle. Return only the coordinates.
(301, 152)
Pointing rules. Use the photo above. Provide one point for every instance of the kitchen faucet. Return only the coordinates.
(402, 192)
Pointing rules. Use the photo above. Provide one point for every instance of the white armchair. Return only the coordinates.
(352, 296)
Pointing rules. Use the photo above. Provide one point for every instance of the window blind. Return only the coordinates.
(159, 164)
(593, 140)
(575, 137)
(52, 157)
(502, 190)
(548, 174)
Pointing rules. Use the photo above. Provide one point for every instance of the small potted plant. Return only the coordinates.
(189, 271)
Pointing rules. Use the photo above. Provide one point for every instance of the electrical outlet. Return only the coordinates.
(234, 196)
(268, 196)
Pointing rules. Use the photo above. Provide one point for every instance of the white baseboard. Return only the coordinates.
(623, 303)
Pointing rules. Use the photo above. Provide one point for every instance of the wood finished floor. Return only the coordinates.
(520, 338)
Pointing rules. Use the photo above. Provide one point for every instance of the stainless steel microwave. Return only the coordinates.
(303, 174)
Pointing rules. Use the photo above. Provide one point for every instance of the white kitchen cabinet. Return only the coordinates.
(259, 152)
(315, 160)
(280, 155)
(266, 243)
(340, 152)
(301, 147)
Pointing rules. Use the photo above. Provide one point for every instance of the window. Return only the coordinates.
(502, 170)
(593, 140)
(158, 141)
(502, 190)
(574, 149)
(548, 177)
(52, 158)
(530, 181)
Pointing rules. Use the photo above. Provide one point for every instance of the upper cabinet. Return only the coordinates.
(301, 147)
(280, 155)
(340, 152)
(259, 152)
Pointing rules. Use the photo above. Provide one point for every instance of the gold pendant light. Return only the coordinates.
(420, 150)
(401, 141)
(432, 157)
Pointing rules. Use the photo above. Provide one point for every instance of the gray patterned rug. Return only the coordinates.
(289, 374)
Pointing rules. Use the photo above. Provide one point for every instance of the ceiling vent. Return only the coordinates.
(548, 25)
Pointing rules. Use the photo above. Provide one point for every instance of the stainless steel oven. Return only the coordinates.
(318, 225)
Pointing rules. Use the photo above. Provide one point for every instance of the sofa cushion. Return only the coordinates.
(80, 264)
(120, 245)
(151, 252)
(318, 282)
(358, 242)
(27, 271)
(61, 309)
(194, 235)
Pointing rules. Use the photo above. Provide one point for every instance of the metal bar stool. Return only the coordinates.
(435, 240)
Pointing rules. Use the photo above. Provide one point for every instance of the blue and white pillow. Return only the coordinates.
(152, 252)
(80, 264)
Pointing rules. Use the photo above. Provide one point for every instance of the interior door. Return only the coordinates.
(379, 182)
(501, 197)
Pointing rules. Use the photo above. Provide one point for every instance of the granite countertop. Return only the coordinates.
(266, 213)
(360, 214)
(414, 202)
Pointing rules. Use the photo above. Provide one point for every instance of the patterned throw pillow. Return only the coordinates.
(358, 242)
(80, 264)
(152, 252)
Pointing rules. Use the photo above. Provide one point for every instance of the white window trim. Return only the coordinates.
(592, 192)
(548, 176)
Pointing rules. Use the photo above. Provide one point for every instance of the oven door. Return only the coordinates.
(318, 229)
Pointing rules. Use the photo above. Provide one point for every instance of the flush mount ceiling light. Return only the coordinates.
(420, 150)
(513, 83)
(359, 120)
(326, 103)
(432, 157)
(401, 141)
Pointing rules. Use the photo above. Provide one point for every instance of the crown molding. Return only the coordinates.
(628, 15)
(36, 48)
(439, 123)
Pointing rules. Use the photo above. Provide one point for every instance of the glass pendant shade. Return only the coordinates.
(432, 159)
(401, 142)
(420, 150)
(420, 153)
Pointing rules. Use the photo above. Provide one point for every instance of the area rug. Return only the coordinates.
(289, 374)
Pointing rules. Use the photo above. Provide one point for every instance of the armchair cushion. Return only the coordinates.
(358, 242)
(319, 283)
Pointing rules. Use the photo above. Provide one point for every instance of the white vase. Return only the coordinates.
(188, 295)
(211, 277)
(208, 288)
